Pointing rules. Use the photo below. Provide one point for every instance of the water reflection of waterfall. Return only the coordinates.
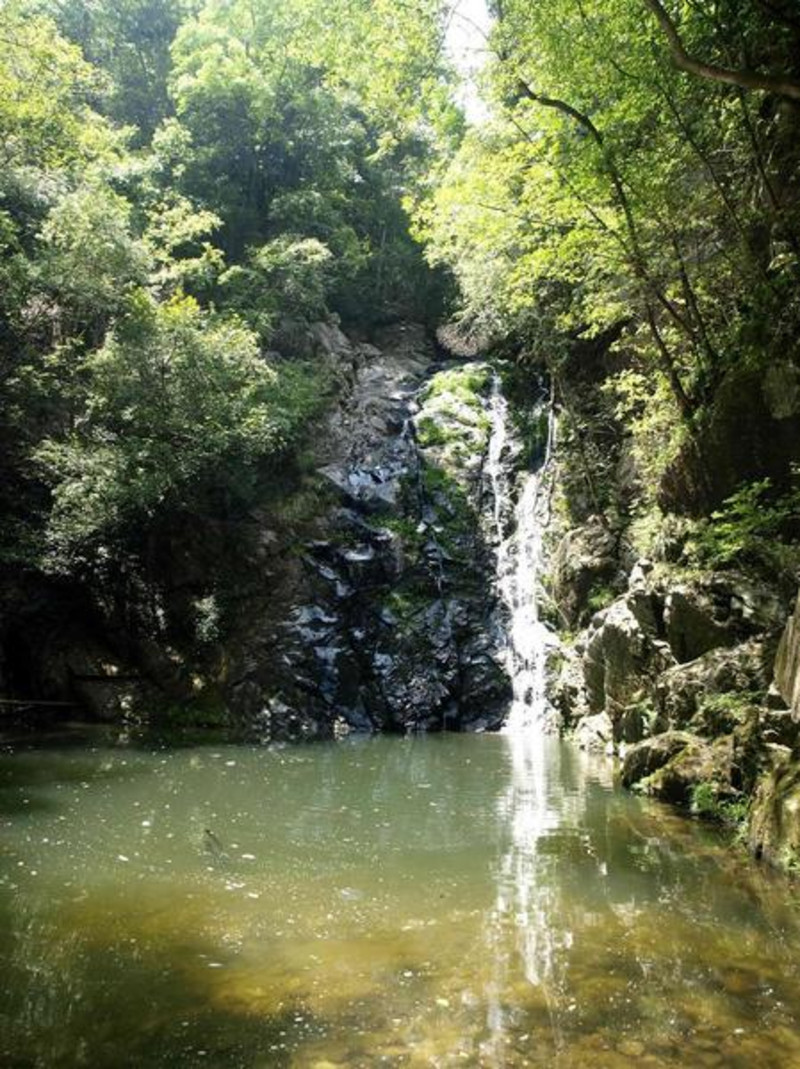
(522, 930)
(535, 919)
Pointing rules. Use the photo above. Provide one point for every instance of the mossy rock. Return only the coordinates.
(673, 765)
(774, 832)
(647, 757)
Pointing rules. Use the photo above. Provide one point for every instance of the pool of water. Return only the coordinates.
(441, 901)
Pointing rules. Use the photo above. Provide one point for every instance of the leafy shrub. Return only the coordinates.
(600, 597)
(748, 528)
(719, 714)
(464, 383)
(90, 258)
(706, 803)
(285, 278)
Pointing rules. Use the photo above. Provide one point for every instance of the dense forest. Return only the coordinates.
(180, 185)
(197, 198)
(639, 185)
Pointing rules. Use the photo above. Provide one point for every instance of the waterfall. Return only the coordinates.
(519, 564)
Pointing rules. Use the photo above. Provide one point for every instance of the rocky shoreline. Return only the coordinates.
(692, 681)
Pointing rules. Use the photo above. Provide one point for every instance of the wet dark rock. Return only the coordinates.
(386, 618)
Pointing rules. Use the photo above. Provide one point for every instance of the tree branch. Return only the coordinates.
(637, 257)
(745, 79)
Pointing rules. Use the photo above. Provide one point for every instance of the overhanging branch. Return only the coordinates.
(744, 79)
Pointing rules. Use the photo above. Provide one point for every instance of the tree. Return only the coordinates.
(175, 401)
(129, 41)
(612, 196)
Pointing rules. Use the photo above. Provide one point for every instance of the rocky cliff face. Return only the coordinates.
(787, 663)
(680, 677)
(383, 615)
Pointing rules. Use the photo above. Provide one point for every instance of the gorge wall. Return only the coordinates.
(678, 651)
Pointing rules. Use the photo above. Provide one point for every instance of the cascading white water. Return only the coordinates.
(519, 563)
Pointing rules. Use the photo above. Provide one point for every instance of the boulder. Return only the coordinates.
(621, 659)
(778, 727)
(652, 754)
(721, 609)
(787, 663)
(680, 691)
(670, 766)
(584, 559)
(595, 734)
(635, 722)
(691, 629)
(566, 691)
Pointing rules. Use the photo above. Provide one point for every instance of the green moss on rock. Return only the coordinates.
(774, 832)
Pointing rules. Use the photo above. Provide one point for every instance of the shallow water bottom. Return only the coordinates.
(485, 901)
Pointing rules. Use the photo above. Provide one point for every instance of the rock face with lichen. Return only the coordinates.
(774, 827)
(694, 681)
(388, 616)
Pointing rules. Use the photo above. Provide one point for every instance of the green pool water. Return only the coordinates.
(439, 901)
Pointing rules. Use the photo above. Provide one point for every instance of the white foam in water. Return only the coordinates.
(519, 564)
